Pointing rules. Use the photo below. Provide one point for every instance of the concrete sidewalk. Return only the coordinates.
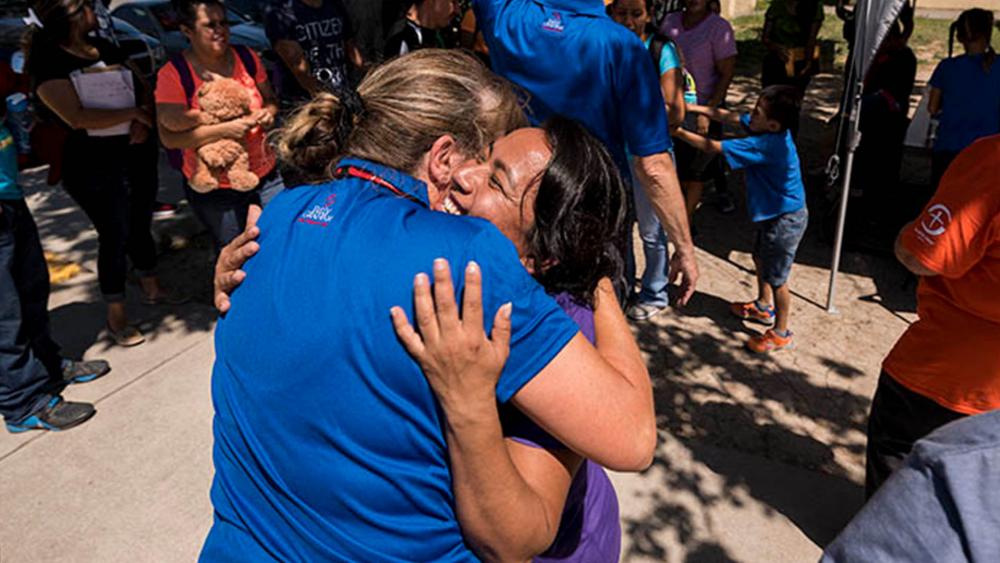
(759, 458)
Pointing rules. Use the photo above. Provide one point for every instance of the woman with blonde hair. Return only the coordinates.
(329, 442)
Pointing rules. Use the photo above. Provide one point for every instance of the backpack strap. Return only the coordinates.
(184, 72)
(247, 58)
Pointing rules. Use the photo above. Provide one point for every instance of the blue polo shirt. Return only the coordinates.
(577, 62)
(772, 170)
(328, 439)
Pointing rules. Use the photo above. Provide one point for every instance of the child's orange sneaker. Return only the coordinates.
(770, 341)
(753, 312)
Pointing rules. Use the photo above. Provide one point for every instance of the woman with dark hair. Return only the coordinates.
(965, 91)
(223, 209)
(329, 443)
(563, 218)
(112, 178)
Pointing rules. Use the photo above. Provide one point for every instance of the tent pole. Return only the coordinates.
(853, 139)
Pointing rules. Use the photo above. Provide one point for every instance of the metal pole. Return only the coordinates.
(853, 139)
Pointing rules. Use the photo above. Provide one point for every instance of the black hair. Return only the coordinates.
(579, 214)
(783, 104)
(975, 23)
(57, 18)
(187, 10)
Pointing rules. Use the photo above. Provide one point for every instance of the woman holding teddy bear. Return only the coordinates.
(214, 104)
(111, 176)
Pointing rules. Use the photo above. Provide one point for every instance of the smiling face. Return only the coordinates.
(632, 14)
(210, 33)
(501, 186)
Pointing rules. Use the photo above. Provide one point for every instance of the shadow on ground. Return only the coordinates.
(185, 265)
(707, 421)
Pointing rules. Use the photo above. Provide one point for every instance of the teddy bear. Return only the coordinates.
(221, 100)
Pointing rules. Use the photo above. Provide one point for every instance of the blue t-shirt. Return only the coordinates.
(328, 438)
(773, 173)
(970, 102)
(577, 62)
(8, 166)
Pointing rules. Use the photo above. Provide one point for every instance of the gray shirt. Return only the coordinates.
(943, 505)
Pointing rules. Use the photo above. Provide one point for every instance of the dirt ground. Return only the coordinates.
(782, 433)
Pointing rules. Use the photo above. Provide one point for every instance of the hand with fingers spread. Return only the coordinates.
(460, 362)
(228, 273)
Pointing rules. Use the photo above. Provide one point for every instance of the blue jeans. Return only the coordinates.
(28, 356)
(777, 242)
(224, 212)
(654, 247)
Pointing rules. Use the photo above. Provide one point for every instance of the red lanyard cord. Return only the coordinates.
(362, 174)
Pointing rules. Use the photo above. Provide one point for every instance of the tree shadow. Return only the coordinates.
(185, 266)
(752, 406)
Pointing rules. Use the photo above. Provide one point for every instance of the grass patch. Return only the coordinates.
(929, 42)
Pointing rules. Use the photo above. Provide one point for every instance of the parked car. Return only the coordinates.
(157, 19)
(145, 51)
(252, 9)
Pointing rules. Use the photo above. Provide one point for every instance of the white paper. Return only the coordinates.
(106, 89)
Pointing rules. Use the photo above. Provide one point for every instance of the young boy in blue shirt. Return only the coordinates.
(32, 373)
(776, 201)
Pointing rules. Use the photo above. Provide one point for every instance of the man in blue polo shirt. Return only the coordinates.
(577, 62)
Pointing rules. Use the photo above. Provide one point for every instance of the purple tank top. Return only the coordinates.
(589, 529)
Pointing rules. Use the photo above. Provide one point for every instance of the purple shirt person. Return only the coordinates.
(708, 43)
(589, 529)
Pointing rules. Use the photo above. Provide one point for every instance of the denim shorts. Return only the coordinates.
(777, 242)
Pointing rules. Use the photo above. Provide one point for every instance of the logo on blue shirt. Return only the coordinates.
(320, 215)
(554, 23)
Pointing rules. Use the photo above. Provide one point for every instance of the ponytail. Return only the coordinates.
(952, 30)
(315, 135)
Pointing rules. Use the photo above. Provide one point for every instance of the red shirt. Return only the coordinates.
(169, 90)
(952, 353)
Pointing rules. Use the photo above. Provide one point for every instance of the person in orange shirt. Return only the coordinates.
(223, 211)
(946, 365)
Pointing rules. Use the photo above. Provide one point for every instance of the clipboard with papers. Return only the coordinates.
(106, 87)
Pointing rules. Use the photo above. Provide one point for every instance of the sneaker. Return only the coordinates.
(162, 209)
(56, 415)
(753, 312)
(644, 311)
(770, 341)
(84, 372)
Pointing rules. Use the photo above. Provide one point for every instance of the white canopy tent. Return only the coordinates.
(873, 18)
